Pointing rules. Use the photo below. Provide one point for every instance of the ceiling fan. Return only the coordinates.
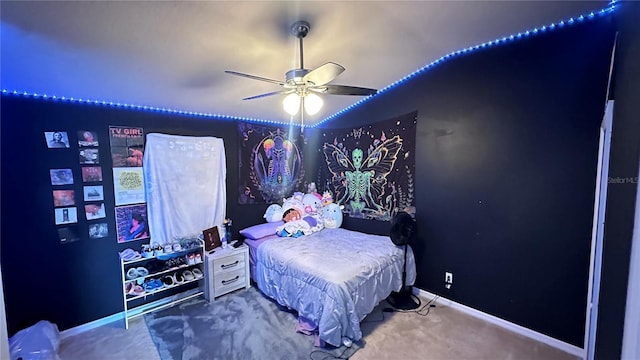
(301, 85)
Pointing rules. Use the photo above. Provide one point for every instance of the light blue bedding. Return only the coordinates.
(334, 277)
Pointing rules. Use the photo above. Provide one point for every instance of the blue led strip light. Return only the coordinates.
(590, 16)
(603, 12)
(137, 107)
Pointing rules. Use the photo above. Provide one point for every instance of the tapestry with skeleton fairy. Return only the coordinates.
(370, 169)
(270, 163)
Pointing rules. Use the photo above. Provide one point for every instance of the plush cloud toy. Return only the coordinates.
(274, 213)
(332, 215)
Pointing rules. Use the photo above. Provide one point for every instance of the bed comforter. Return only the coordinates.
(334, 277)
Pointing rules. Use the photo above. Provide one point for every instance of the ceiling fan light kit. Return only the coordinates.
(302, 85)
(311, 103)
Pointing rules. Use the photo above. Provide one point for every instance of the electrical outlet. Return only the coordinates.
(448, 277)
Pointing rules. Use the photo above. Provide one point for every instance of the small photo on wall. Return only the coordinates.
(93, 193)
(127, 146)
(61, 176)
(63, 197)
(89, 156)
(91, 173)
(68, 234)
(94, 211)
(98, 231)
(56, 139)
(66, 215)
(87, 138)
(131, 222)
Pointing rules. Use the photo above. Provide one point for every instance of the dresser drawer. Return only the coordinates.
(228, 264)
(226, 270)
(229, 281)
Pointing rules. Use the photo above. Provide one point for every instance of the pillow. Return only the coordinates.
(261, 230)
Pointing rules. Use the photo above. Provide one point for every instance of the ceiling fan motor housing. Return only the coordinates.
(294, 77)
(300, 29)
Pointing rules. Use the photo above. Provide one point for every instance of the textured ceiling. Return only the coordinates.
(173, 54)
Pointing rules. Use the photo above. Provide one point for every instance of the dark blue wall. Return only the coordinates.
(507, 141)
(79, 282)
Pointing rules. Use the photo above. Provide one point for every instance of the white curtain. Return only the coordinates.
(185, 185)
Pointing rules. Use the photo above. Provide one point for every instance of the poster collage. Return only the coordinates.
(127, 150)
(66, 211)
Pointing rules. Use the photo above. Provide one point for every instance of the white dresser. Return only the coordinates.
(226, 270)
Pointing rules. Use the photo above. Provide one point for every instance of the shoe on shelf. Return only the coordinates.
(168, 280)
(132, 273)
(147, 251)
(155, 266)
(191, 259)
(142, 271)
(129, 255)
(178, 277)
(171, 264)
(131, 288)
(197, 273)
(198, 258)
(167, 249)
(181, 261)
(188, 275)
(159, 250)
(150, 285)
(158, 283)
(177, 247)
(137, 290)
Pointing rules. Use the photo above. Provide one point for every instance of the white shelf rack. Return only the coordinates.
(156, 298)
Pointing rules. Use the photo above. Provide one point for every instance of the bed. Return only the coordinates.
(332, 278)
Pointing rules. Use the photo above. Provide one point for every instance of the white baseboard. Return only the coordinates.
(92, 325)
(566, 347)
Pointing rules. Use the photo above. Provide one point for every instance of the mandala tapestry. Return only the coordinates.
(370, 169)
(270, 163)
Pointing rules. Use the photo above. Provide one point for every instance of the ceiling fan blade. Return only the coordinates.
(269, 94)
(344, 90)
(323, 73)
(254, 77)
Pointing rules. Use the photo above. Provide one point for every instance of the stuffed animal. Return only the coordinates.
(332, 215)
(311, 204)
(311, 189)
(292, 214)
(292, 209)
(326, 198)
(274, 213)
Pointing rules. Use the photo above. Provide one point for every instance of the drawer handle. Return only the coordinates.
(225, 282)
(226, 266)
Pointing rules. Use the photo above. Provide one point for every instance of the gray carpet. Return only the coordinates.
(241, 325)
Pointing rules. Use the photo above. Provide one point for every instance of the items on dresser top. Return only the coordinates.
(211, 238)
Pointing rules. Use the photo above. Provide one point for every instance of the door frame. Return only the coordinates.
(597, 233)
(631, 335)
